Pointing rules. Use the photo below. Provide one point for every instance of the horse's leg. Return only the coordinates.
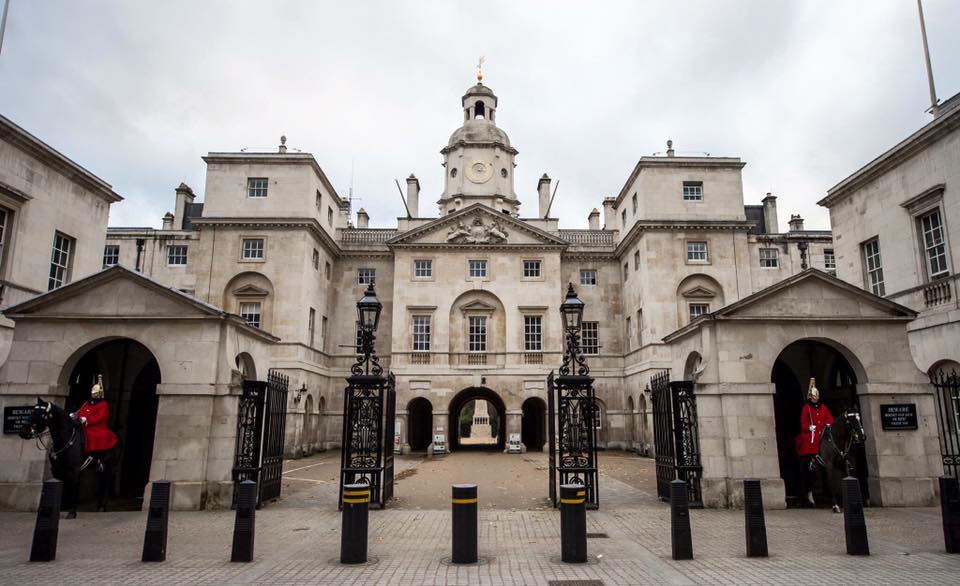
(71, 488)
(104, 480)
(835, 489)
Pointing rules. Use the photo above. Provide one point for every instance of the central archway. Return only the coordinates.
(496, 408)
(533, 424)
(419, 424)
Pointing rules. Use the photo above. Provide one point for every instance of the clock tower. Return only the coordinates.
(478, 159)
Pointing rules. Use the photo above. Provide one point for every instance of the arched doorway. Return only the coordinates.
(419, 424)
(309, 433)
(628, 424)
(533, 432)
(130, 378)
(837, 382)
(464, 406)
(321, 424)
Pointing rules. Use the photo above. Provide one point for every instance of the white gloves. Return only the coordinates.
(812, 428)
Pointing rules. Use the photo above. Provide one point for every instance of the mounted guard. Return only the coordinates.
(814, 418)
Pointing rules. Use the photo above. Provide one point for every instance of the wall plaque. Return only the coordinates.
(898, 417)
(16, 418)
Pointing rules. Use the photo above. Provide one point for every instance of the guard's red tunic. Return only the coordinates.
(97, 436)
(818, 415)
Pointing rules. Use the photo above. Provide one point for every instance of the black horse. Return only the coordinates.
(65, 452)
(836, 443)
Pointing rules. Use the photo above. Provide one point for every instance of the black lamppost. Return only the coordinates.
(571, 309)
(368, 314)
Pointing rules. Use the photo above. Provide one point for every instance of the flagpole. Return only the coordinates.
(934, 108)
(3, 22)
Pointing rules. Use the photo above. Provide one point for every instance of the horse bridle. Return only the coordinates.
(38, 436)
(855, 437)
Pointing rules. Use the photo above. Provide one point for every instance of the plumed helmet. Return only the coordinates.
(96, 391)
(812, 392)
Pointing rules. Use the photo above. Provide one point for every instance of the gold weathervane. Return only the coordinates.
(480, 70)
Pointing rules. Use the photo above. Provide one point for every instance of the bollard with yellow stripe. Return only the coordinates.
(573, 523)
(353, 537)
(464, 505)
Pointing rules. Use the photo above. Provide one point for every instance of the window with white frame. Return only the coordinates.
(477, 334)
(366, 276)
(698, 309)
(697, 251)
(531, 269)
(177, 255)
(257, 186)
(769, 258)
(60, 259)
(111, 255)
(478, 269)
(533, 333)
(693, 191)
(311, 325)
(250, 312)
(873, 266)
(588, 277)
(829, 260)
(934, 244)
(252, 249)
(316, 259)
(421, 333)
(423, 269)
(590, 337)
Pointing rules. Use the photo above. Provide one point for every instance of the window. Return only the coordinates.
(629, 333)
(311, 325)
(111, 255)
(423, 269)
(478, 269)
(698, 309)
(256, 187)
(478, 333)
(626, 271)
(634, 204)
(636, 260)
(588, 277)
(316, 259)
(769, 258)
(323, 331)
(934, 245)
(829, 260)
(421, 333)
(623, 219)
(330, 216)
(533, 333)
(531, 269)
(250, 312)
(639, 328)
(366, 276)
(319, 200)
(326, 270)
(177, 255)
(252, 249)
(874, 267)
(693, 191)
(590, 337)
(60, 260)
(696, 252)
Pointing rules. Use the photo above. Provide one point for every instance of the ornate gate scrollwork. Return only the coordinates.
(573, 435)
(367, 454)
(261, 427)
(676, 437)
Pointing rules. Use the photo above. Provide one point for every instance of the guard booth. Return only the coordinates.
(369, 412)
(261, 423)
(675, 437)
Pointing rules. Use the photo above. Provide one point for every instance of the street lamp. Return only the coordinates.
(368, 309)
(368, 314)
(572, 312)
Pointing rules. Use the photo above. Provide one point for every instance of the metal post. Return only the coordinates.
(44, 548)
(244, 525)
(854, 524)
(754, 522)
(950, 510)
(681, 537)
(573, 523)
(155, 537)
(353, 536)
(464, 524)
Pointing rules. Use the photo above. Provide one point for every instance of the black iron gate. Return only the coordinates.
(675, 435)
(261, 426)
(573, 435)
(947, 386)
(366, 457)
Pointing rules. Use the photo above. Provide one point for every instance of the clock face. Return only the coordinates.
(479, 172)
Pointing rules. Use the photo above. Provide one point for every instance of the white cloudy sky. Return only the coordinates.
(805, 91)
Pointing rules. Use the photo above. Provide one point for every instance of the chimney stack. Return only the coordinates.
(594, 219)
(669, 148)
(363, 220)
(184, 196)
(168, 221)
(413, 196)
(543, 190)
(609, 216)
(796, 223)
(770, 224)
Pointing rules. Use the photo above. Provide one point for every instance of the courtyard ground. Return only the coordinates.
(298, 537)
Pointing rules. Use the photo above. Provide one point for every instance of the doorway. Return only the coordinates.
(533, 431)
(419, 424)
(477, 420)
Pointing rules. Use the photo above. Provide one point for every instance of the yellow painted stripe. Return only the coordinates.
(356, 493)
(355, 501)
(582, 493)
(573, 501)
(465, 501)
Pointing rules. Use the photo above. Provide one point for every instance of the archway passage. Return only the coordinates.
(533, 431)
(837, 382)
(130, 378)
(462, 422)
(419, 424)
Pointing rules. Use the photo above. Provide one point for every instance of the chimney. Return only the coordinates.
(594, 219)
(184, 196)
(796, 223)
(363, 220)
(669, 148)
(770, 224)
(413, 195)
(543, 190)
(168, 221)
(282, 149)
(609, 215)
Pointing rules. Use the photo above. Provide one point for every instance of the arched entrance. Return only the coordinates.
(533, 424)
(628, 424)
(419, 424)
(130, 378)
(837, 382)
(461, 419)
(309, 430)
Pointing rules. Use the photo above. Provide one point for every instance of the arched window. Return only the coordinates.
(478, 111)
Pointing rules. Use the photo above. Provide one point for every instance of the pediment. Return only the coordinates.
(476, 226)
(478, 306)
(699, 293)
(250, 291)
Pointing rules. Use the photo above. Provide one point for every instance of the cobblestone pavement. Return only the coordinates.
(298, 540)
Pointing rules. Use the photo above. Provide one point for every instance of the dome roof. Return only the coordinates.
(478, 131)
(479, 90)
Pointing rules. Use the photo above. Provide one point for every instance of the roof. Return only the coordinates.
(683, 162)
(274, 159)
(410, 237)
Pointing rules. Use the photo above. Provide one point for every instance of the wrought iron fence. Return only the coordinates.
(261, 427)
(947, 387)
(676, 436)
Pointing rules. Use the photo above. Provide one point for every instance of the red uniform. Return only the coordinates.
(97, 436)
(808, 443)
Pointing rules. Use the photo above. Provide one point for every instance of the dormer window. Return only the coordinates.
(478, 111)
(256, 187)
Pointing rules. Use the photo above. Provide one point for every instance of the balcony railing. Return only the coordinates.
(533, 358)
(937, 293)
(366, 235)
(588, 237)
(476, 359)
(420, 358)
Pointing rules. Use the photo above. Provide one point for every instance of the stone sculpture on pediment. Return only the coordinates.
(477, 233)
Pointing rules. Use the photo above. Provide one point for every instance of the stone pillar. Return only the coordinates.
(543, 193)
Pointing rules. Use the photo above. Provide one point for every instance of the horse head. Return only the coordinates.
(39, 420)
(854, 426)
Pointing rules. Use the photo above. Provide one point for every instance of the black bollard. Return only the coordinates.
(754, 522)
(464, 524)
(680, 535)
(155, 537)
(854, 523)
(573, 523)
(44, 548)
(950, 510)
(244, 526)
(353, 537)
